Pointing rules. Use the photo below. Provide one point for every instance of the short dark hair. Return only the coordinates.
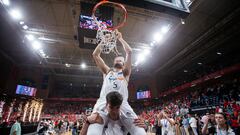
(223, 114)
(18, 118)
(114, 98)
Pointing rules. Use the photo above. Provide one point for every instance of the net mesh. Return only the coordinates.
(107, 39)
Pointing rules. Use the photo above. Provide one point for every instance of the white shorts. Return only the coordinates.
(127, 118)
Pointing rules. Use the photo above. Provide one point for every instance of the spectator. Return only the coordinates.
(221, 127)
(193, 124)
(167, 124)
(185, 123)
(16, 127)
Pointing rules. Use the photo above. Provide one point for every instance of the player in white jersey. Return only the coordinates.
(113, 122)
(115, 79)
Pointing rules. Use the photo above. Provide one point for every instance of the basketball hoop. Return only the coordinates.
(107, 36)
(115, 4)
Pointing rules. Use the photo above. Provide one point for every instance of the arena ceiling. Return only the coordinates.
(55, 23)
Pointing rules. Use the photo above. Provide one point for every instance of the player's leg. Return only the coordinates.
(99, 106)
(95, 129)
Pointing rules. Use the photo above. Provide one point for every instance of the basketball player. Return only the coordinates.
(112, 121)
(115, 79)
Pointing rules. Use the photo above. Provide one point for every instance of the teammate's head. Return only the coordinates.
(118, 62)
(114, 100)
(18, 119)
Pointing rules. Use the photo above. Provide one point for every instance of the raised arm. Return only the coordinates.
(128, 51)
(171, 121)
(205, 127)
(99, 61)
(159, 117)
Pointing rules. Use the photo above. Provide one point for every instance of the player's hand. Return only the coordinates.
(139, 122)
(164, 114)
(92, 118)
(205, 119)
(159, 115)
(119, 34)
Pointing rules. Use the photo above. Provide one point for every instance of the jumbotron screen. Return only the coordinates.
(143, 94)
(25, 90)
(87, 22)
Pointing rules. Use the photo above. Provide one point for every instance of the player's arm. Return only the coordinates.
(94, 118)
(139, 122)
(171, 121)
(205, 126)
(128, 51)
(99, 61)
(15, 133)
(14, 129)
(159, 117)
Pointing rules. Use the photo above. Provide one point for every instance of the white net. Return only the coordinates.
(108, 40)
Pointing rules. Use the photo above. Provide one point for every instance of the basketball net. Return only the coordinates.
(107, 37)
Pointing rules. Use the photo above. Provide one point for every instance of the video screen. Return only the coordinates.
(143, 94)
(25, 90)
(87, 22)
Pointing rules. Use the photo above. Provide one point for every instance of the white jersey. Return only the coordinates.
(114, 81)
(115, 127)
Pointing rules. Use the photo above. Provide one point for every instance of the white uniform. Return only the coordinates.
(115, 81)
(112, 127)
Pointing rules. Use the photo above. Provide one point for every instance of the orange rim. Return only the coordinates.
(114, 3)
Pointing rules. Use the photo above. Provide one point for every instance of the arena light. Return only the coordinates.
(67, 65)
(6, 2)
(182, 21)
(36, 45)
(21, 22)
(218, 53)
(136, 63)
(41, 51)
(199, 63)
(146, 52)
(164, 29)
(141, 58)
(16, 14)
(83, 65)
(151, 44)
(43, 54)
(185, 71)
(30, 37)
(25, 27)
(157, 37)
